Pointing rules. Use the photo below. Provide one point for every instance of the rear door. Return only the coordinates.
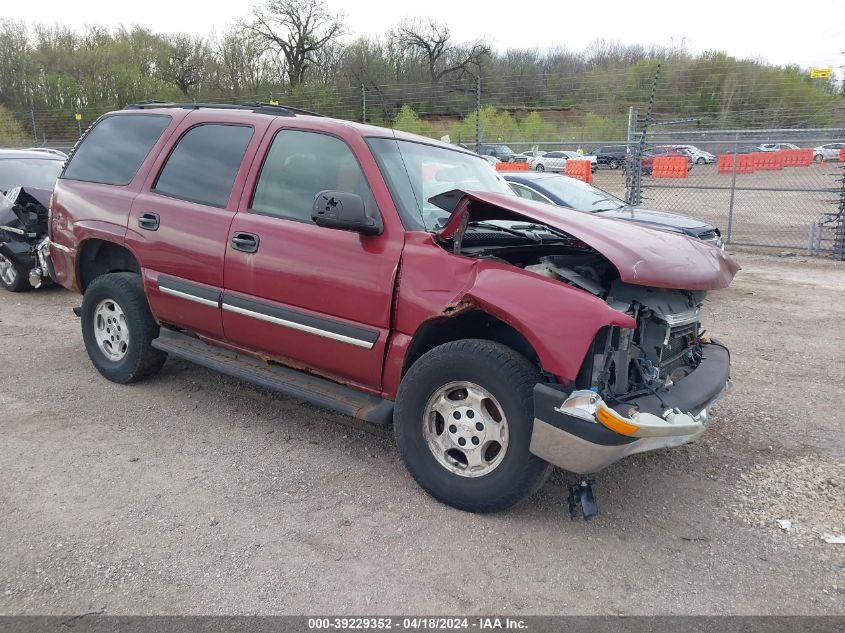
(179, 223)
(311, 296)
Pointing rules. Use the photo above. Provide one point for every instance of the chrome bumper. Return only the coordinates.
(580, 433)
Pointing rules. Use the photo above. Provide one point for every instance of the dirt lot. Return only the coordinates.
(195, 493)
(762, 213)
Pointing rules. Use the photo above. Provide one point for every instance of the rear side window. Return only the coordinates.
(301, 164)
(203, 165)
(112, 152)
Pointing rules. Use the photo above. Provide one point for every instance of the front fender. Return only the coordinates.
(559, 321)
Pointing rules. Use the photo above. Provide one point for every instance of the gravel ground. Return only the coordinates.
(773, 208)
(196, 493)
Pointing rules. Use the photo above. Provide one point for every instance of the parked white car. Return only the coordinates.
(531, 154)
(696, 155)
(776, 147)
(556, 161)
(829, 151)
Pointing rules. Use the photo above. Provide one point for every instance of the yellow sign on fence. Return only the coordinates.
(821, 73)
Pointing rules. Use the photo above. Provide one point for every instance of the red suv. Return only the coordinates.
(392, 278)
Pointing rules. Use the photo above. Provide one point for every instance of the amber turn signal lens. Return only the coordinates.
(614, 422)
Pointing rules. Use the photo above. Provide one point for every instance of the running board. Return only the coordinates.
(291, 382)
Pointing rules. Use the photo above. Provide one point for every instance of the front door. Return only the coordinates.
(310, 296)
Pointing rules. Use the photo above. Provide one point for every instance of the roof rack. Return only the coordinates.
(253, 106)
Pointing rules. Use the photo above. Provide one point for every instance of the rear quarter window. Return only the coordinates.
(113, 151)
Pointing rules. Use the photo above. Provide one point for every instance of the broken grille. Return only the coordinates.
(675, 351)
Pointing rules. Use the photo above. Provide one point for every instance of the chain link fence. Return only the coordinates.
(776, 206)
(793, 208)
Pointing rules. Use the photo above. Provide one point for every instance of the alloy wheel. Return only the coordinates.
(465, 429)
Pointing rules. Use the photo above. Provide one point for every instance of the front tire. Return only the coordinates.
(539, 167)
(613, 163)
(463, 421)
(12, 277)
(700, 160)
(118, 328)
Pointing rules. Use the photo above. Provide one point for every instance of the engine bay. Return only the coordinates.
(622, 364)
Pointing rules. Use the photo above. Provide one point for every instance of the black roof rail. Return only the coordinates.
(253, 106)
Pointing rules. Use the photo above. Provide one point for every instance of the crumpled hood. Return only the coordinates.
(642, 255)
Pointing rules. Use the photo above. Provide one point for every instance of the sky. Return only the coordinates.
(777, 31)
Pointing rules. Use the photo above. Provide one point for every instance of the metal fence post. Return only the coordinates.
(478, 115)
(34, 130)
(363, 104)
(733, 193)
(839, 240)
(633, 180)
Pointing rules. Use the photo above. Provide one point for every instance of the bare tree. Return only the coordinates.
(241, 65)
(431, 40)
(183, 62)
(298, 29)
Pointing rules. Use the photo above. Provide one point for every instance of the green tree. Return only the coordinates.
(409, 121)
(11, 132)
(534, 128)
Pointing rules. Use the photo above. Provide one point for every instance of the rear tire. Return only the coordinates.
(700, 160)
(613, 163)
(118, 328)
(12, 277)
(503, 475)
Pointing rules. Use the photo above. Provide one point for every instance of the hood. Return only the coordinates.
(654, 218)
(642, 255)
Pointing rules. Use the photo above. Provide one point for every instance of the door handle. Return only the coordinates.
(149, 221)
(245, 242)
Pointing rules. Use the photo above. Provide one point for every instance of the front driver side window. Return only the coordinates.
(298, 166)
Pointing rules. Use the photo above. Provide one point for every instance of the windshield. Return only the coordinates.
(416, 172)
(581, 196)
(29, 172)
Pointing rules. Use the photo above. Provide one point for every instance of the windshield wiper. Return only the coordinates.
(544, 227)
(605, 199)
(496, 227)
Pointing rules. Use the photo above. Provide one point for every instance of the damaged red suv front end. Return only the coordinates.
(649, 375)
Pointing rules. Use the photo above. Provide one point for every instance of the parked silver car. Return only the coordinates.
(696, 155)
(829, 151)
(776, 147)
(556, 161)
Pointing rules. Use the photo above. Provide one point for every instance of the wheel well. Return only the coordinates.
(470, 324)
(100, 257)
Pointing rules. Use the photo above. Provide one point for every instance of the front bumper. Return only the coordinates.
(580, 433)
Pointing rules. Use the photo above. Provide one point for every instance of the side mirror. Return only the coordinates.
(343, 210)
